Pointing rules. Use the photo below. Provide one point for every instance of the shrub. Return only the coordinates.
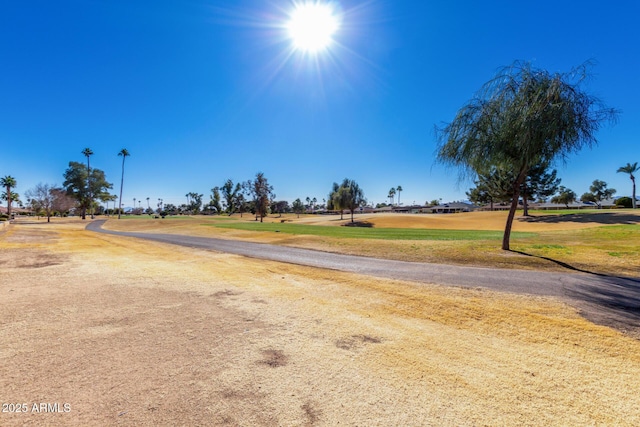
(624, 202)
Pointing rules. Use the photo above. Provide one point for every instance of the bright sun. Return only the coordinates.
(312, 25)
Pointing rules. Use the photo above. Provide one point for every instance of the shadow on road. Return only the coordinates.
(611, 303)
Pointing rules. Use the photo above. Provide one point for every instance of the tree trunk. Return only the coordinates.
(525, 205)
(351, 216)
(512, 211)
(633, 195)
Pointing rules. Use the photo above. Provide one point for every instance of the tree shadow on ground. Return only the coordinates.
(560, 263)
(606, 300)
(365, 224)
(605, 218)
(611, 302)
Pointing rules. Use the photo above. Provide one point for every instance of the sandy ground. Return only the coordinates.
(124, 332)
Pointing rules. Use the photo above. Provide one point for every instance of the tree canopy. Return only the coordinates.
(262, 194)
(521, 118)
(75, 184)
(347, 195)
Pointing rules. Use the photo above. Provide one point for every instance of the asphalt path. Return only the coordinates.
(608, 300)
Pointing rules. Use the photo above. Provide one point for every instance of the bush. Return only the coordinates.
(624, 202)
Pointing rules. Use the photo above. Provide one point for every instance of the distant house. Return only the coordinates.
(559, 206)
(454, 207)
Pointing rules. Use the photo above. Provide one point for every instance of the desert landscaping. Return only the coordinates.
(114, 330)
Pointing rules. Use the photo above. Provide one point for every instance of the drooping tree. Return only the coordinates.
(8, 182)
(631, 169)
(124, 153)
(353, 196)
(392, 195)
(521, 118)
(399, 190)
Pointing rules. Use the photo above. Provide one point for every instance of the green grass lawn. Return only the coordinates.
(370, 233)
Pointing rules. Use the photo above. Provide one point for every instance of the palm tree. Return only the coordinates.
(8, 182)
(134, 206)
(392, 194)
(87, 152)
(399, 190)
(631, 169)
(124, 153)
(148, 205)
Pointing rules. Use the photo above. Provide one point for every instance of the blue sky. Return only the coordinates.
(202, 91)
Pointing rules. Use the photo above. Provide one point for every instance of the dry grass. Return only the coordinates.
(137, 333)
(581, 241)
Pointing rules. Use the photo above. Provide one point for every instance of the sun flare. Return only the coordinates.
(312, 25)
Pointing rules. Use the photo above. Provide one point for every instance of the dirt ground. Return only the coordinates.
(111, 330)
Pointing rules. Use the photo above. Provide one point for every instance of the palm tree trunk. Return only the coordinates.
(121, 184)
(633, 193)
(9, 202)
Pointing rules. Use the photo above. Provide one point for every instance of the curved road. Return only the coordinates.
(613, 301)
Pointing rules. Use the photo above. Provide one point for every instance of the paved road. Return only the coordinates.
(613, 301)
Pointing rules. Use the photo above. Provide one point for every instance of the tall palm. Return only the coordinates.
(8, 182)
(392, 194)
(631, 169)
(399, 190)
(124, 153)
(148, 205)
(87, 152)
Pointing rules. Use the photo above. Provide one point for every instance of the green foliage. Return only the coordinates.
(600, 191)
(565, 196)
(624, 202)
(194, 203)
(298, 206)
(330, 202)
(75, 184)
(8, 182)
(522, 118)
(348, 196)
(262, 194)
(588, 197)
(215, 200)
